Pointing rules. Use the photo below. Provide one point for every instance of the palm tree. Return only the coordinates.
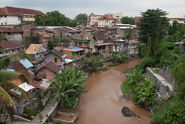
(5, 87)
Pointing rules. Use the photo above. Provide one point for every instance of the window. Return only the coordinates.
(55, 60)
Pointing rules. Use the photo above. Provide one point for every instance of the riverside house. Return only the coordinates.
(74, 52)
(10, 47)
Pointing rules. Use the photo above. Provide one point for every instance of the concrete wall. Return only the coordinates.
(18, 37)
(10, 20)
(164, 89)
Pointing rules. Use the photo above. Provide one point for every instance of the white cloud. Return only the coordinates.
(72, 7)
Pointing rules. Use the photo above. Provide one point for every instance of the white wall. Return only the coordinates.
(104, 23)
(10, 20)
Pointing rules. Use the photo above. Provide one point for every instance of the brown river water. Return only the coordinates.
(101, 104)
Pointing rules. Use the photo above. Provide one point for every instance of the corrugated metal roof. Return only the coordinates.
(26, 87)
(26, 63)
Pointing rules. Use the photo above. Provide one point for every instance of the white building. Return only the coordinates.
(178, 18)
(106, 21)
(17, 16)
(96, 20)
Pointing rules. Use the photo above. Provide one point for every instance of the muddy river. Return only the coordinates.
(101, 104)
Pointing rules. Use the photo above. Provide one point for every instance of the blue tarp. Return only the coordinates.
(26, 63)
(75, 48)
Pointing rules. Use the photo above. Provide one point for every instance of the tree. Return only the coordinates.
(68, 85)
(93, 64)
(81, 19)
(127, 20)
(153, 27)
(118, 57)
(39, 20)
(128, 34)
(54, 18)
(50, 44)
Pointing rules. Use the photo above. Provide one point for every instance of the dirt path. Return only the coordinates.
(101, 105)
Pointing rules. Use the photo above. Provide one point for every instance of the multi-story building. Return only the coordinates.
(17, 16)
(106, 21)
(179, 19)
(94, 20)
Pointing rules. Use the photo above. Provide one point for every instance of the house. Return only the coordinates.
(73, 52)
(137, 19)
(103, 47)
(48, 71)
(93, 19)
(118, 45)
(54, 56)
(17, 16)
(133, 47)
(178, 18)
(36, 50)
(44, 37)
(118, 16)
(12, 34)
(106, 21)
(83, 40)
(10, 47)
(69, 32)
(26, 68)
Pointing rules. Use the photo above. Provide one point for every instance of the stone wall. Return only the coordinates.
(164, 88)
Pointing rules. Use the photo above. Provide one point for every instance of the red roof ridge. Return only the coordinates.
(8, 10)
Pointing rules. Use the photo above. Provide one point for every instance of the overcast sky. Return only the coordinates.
(73, 7)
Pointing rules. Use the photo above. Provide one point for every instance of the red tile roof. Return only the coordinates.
(13, 11)
(10, 45)
(44, 35)
(107, 17)
(92, 14)
(137, 19)
(10, 30)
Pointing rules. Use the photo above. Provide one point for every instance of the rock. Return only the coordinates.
(128, 113)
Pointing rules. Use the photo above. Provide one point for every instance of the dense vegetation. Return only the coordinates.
(127, 20)
(159, 50)
(67, 86)
(118, 57)
(54, 18)
(81, 19)
(92, 64)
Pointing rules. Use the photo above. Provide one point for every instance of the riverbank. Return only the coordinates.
(101, 104)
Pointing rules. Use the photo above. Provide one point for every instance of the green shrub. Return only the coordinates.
(143, 50)
(30, 112)
(145, 93)
(170, 113)
(93, 64)
(128, 87)
(118, 57)
(70, 101)
(147, 62)
(179, 74)
(168, 59)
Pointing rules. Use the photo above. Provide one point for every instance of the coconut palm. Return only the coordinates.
(5, 87)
